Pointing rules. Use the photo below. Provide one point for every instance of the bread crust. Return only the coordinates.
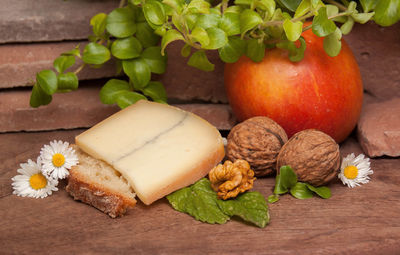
(111, 203)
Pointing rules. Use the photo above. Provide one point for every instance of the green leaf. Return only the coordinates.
(323, 191)
(362, 18)
(74, 52)
(288, 177)
(199, 6)
(200, 35)
(95, 54)
(156, 91)
(177, 5)
(244, 2)
(154, 12)
(67, 82)
(351, 8)
(250, 206)
(47, 81)
(98, 22)
(347, 26)
(112, 89)
(255, 50)
(333, 44)
(273, 198)
(233, 50)
(63, 62)
(217, 38)
(138, 71)
(300, 191)
(292, 30)
(279, 189)
(178, 21)
(38, 97)
(291, 5)
(321, 25)
(153, 58)
(186, 50)
(248, 20)
(368, 5)
(295, 54)
(200, 61)
(126, 48)
(304, 7)
(331, 10)
(199, 201)
(208, 20)
(145, 34)
(126, 98)
(234, 9)
(266, 5)
(230, 23)
(170, 36)
(121, 22)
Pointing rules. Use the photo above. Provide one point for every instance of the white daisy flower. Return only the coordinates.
(355, 170)
(31, 182)
(57, 159)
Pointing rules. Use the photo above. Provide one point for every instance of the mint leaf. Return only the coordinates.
(138, 71)
(233, 50)
(301, 191)
(288, 177)
(292, 30)
(322, 191)
(200, 60)
(255, 50)
(154, 12)
(199, 201)
(273, 198)
(98, 22)
(156, 91)
(111, 90)
(387, 12)
(126, 98)
(250, 206)
(153, 58)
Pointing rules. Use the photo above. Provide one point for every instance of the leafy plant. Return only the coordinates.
(286, 181)
(131, 35)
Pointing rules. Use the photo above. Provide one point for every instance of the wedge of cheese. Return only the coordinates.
(156, 147)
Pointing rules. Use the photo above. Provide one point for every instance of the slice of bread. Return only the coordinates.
(98, 184)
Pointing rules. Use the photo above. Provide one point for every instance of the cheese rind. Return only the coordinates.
(156, 147)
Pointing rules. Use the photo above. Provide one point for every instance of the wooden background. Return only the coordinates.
(363, 220)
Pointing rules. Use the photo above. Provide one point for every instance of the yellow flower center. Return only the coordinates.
(58, 160)
(350, 172)
(38, 181)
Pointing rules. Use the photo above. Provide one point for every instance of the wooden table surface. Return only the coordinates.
(363, 220)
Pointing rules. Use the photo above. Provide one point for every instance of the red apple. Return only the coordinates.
(319, 92)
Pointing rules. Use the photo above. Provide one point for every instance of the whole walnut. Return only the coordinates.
(313, 155)
(257, 140)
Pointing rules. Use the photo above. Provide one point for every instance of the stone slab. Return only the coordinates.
(82, 108)
(360, 221)
(19, 63)
(379, 128)
(49, 20)
(377, 50)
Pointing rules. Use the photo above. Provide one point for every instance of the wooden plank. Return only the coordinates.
(363, 220)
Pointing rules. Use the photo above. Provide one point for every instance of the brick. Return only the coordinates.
(379, 128)
(19, 63)
(81, 108)
(184, 82)
(49, 20)
(377, 51)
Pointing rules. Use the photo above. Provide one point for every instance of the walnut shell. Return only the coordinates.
(313, 155)
(257, 140)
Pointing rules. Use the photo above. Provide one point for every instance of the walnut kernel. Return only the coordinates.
(313, 155)
(257, 140)
(230, 179)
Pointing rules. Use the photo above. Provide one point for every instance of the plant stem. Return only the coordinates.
(122, 3)
(339, 5)
(79, 68)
